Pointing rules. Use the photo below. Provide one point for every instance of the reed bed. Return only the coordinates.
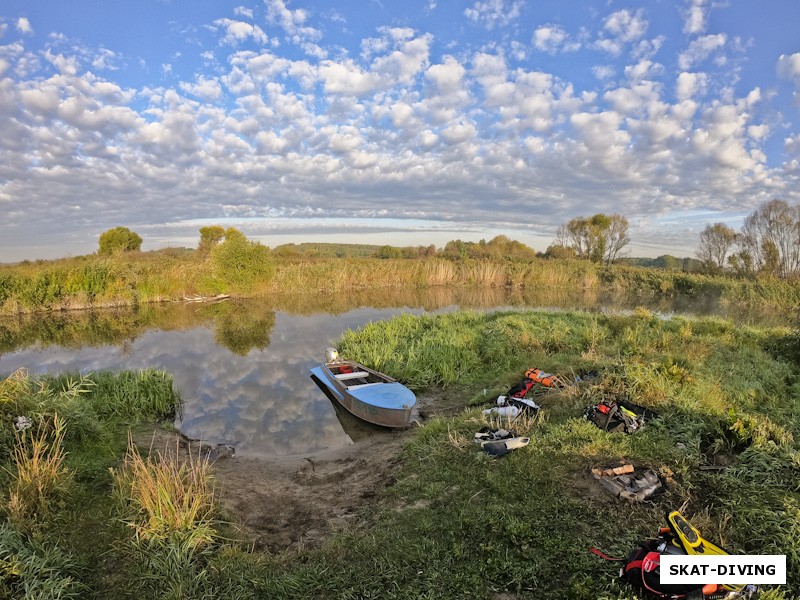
(38, 476)
(170, 497)
(171, 275)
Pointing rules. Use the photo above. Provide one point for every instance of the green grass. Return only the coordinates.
(456, 523)
(63, 539)
(522, 523)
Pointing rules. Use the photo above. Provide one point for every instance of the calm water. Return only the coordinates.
(242, 366)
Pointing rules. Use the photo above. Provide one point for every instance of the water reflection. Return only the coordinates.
(242, 367)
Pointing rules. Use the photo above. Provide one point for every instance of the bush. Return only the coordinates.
(240, 263)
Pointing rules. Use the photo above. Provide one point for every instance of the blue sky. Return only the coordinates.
(410, 122)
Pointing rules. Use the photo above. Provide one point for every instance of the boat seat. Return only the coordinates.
(353, 375)
(361, 385)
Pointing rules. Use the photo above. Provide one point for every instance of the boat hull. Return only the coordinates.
(388, 404)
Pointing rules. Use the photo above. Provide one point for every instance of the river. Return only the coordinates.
(242, 367)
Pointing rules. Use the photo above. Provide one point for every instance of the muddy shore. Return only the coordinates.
(293, 502)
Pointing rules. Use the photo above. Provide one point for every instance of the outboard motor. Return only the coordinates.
(331, 355)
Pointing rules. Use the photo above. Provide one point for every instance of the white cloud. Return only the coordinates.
(67, 65)
(292, 22)
(723, 135)
(621, 28)
(447, 78)
(792, 144)
(758, 132)
(696, 16)
(553, 39)
(690, 84)
(789, 66)
(642, 70)
(204, 88)
(700, 49)
(347, 78)
(40, 100)
(104, 59)
(24, 25)
(459, 133)
(603, 72)
(237, 32)
(408, 59)
(632, 100)
(625, 25)
(494, 13)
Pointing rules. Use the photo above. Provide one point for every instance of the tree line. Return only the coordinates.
(767, 244)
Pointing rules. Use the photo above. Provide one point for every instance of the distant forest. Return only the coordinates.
(500, 246)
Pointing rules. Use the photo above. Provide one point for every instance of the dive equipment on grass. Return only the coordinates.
(642, 566)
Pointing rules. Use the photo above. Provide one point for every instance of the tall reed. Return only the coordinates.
(167, 498)
(39, 476)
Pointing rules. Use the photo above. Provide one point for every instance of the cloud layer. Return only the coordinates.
(280, 120)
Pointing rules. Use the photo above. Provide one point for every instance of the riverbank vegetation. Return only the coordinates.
(241, 268)
(456, 523)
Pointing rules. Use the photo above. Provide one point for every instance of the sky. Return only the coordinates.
(404, 123)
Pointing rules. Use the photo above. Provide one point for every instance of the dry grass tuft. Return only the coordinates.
(39, 475)
(170, 498)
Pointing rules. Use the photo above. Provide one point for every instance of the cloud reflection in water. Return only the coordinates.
(262, 400)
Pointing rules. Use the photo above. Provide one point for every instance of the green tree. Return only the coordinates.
(716, 242)
(557, 251)
(240, 263)
(119, 239)
(600, 238)
(456, 249)
(210, 236)
(388, 252)
(670, 263)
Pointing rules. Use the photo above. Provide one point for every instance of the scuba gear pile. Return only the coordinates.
(512, 407)
(545, 379)
(514, 401)
(497, 442)
(641, 568)
(623, 416)
(629, 483)
(486, 434)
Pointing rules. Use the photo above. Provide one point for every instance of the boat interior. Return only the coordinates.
(354, 375)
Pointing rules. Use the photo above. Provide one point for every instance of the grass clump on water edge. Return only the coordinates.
(168, 496)
(38, 475)
(168, 502)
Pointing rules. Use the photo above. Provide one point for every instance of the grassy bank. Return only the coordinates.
(62, 536)
(456, 523)
(171, 275)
